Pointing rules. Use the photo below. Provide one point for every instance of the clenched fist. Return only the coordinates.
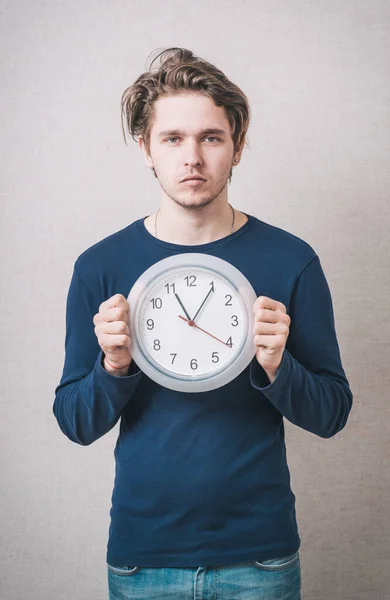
(271, 329)
(113, 333)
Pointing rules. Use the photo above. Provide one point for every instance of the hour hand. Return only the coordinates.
(182, 305)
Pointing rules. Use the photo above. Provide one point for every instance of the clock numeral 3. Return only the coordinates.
(215, 356)
(190, 280)
(229, 302)
(193, 364)
(157, 345)
(235, 321)
(156, 302)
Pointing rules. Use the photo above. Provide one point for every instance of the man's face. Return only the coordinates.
(190, 136)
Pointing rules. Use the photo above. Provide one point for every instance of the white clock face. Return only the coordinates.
(190, 322)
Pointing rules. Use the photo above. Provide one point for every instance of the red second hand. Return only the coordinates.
(193, 324)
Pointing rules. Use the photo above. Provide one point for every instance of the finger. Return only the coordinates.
(118, 300)
(270, 328)
(271, 316)
(268, 303)
(113, 328)
(110, 342)
(116, 313)
(267, 341)
(266, 315)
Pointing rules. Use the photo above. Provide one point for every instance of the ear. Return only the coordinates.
(237, 155)
(142, 145)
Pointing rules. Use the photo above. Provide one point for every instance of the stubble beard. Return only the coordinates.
(199, 202)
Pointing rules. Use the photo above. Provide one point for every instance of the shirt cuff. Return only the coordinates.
(259, 378)
(132, 370)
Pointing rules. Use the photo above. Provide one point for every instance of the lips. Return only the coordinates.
(194, 178)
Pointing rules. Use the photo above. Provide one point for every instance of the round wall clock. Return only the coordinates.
(191, 322)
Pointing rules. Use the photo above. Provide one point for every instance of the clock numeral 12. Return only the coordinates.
(192, 282)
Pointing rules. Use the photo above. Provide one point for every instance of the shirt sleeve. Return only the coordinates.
(88, 400)
(310, 389)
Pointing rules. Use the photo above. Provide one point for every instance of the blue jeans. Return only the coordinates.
(275, 579)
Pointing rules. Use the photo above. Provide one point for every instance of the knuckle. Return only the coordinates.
(123, 327)
(118, 313)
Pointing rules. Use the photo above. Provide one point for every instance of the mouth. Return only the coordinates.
(193, 180)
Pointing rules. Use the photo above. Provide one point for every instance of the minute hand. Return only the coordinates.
(198, 311)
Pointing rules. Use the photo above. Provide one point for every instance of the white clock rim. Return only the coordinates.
(195, 260)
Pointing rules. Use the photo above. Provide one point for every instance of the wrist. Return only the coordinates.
(114, 370)
(272, 373)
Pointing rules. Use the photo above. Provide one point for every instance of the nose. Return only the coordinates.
(192, 154)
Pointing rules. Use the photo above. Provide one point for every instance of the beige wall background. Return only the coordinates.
(317, 77)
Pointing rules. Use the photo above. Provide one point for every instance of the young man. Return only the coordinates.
(202, 505)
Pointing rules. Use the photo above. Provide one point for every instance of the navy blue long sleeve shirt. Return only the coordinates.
(202, 478)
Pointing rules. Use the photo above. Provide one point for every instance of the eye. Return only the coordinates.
(212, 137)
(171, 138)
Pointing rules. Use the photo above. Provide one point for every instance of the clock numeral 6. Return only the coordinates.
(157, 345)
(193, 364)
(150, 324)
(235, 321)
(215, 356)
(156, 302)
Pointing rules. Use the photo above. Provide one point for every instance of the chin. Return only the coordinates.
(195, 203)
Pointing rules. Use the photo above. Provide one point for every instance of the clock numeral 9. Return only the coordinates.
(215, 356)
(150, 324)
(229, 302)
(156, 302)
(193, 364)
(235, 321)
(157, 345)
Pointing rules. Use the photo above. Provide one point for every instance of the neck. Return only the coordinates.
(180, 225)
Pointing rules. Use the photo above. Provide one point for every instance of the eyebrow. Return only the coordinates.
(209, 131)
